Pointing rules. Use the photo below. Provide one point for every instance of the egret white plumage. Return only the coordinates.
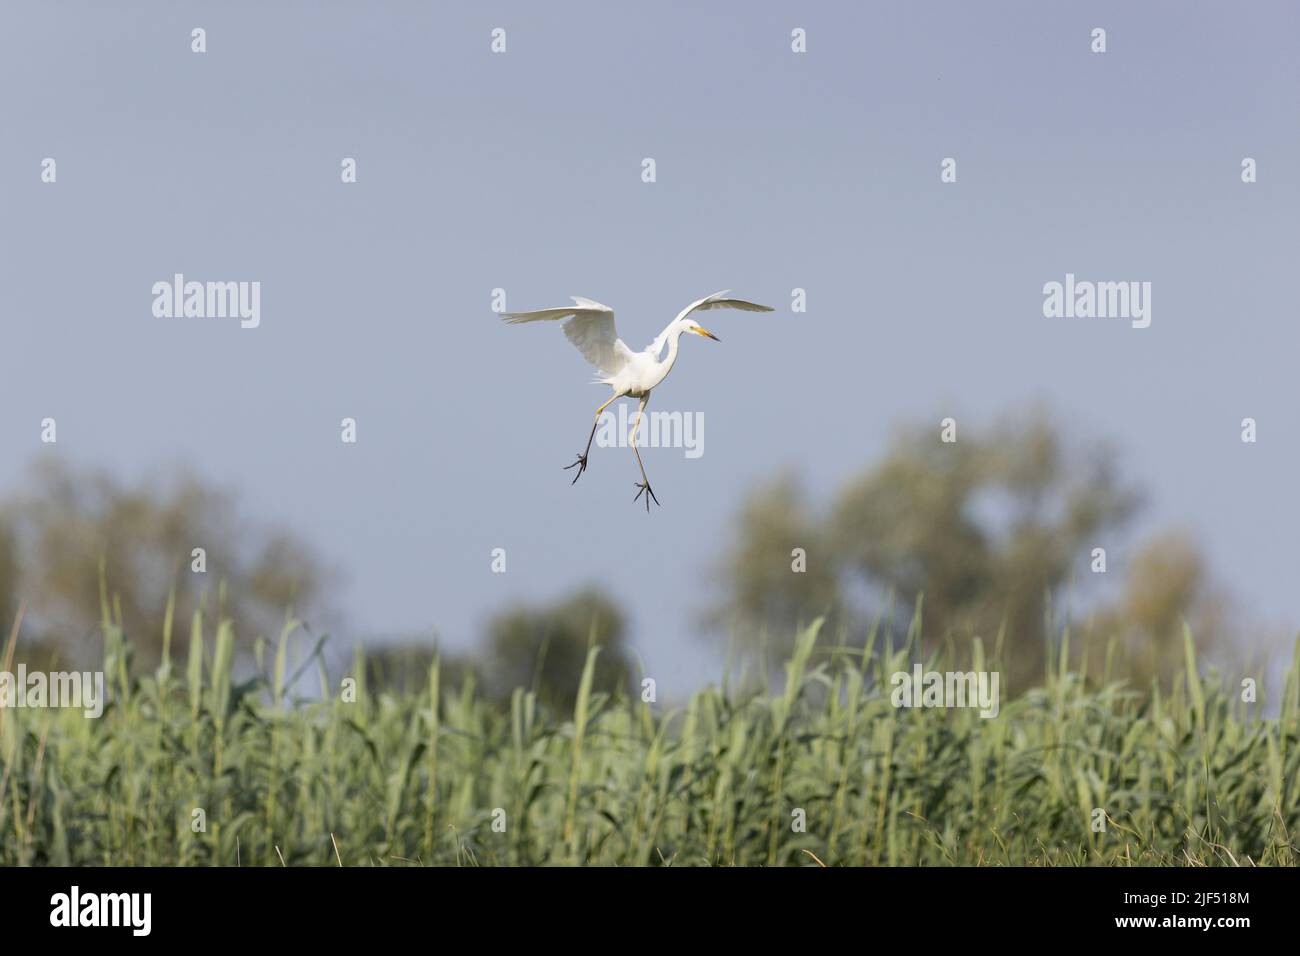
(590, 327)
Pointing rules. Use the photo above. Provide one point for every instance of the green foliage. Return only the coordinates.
(407, 778)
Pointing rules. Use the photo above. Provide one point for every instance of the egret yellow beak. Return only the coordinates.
(703, 331)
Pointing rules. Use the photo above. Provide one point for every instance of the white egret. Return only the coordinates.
(590, 327)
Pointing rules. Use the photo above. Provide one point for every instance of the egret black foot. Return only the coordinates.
(581, 465)
(648, 492)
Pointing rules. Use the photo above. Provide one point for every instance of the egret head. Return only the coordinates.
(693, 326)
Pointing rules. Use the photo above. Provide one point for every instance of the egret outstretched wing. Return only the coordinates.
(590, 327)
(718, 300)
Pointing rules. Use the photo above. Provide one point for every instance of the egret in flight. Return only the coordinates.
(590, 327)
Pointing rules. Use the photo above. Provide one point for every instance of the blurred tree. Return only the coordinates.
(546, 649)
(145, 536)
(988, 529)
(765, 593)
(402, 667)
(8, 578)
(1166, 586)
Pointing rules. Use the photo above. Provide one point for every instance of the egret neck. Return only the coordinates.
(666, 363)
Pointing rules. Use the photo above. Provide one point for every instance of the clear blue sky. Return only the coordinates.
(522, 171)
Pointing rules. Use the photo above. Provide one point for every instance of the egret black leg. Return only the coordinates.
(581, 463)
(643, 485)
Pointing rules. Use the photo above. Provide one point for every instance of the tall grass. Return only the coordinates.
(1192, 776)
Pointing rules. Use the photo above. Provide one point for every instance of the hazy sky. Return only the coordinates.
(523, 171)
